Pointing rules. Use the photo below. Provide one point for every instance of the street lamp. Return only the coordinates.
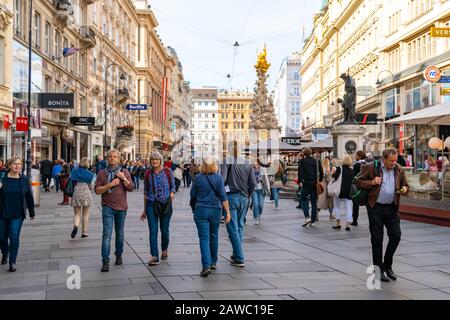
(122, 77)
(28, 145)
(379, 83)
(139, 115)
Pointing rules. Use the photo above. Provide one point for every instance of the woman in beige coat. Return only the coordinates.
(325, 202)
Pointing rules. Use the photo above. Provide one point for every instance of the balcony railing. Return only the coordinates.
(64, 10)
(87, 35)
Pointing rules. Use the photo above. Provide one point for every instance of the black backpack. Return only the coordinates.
(361, 196)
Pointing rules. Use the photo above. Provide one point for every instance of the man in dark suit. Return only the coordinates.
(307, 180)
(46, 169)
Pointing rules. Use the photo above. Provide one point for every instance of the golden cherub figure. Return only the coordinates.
(262, 63)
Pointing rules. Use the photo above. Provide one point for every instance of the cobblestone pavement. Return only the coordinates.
(283, 259)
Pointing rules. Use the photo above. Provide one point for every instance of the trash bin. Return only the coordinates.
(35, 184)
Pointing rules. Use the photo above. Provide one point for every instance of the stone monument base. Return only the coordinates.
(347, 139)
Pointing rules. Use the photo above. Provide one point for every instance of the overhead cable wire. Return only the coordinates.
(193, 28)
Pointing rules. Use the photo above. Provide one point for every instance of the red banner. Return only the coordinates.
(21, 124)
(165, 85)
(6, 121)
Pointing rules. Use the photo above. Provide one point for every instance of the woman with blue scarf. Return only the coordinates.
(82, 196)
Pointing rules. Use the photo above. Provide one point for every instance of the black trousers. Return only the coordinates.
(46, 180)
(355, 211)
(382, 216)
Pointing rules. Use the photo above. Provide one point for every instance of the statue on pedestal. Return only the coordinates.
(349, 102)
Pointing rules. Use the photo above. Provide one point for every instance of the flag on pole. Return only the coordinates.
(70, 51)
(165, 86)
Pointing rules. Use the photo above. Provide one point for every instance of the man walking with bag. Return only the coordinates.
(310, 173)
(240, 183)
(383, 206)
(113, 183)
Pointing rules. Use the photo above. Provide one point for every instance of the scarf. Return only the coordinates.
(112, 173)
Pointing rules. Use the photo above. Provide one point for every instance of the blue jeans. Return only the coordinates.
(136, 180)
(309, 189)
(208, 223)
(258, 203)
(238, 208)
(10, 230)
(57, 183)
(164, 223)
(110, 217)
(276, 195)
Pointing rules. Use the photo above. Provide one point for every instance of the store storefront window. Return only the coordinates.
(420, 94)
(392, 101)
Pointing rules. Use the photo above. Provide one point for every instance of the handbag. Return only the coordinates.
(319, 186)
(334, 187)
(70, 187)
(161, 207)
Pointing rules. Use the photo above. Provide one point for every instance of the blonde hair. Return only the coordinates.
(431, 161)
(12, 160)
(336, 162)
(85, 162)
(347, 161)
(209, 165)
(325, 164)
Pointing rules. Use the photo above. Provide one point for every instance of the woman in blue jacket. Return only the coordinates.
(207, 197)
(15, 198)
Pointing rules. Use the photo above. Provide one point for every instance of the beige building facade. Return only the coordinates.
(6, 110)
(346, 39)
(385, 46)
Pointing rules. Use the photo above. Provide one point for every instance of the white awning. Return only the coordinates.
(435, 115)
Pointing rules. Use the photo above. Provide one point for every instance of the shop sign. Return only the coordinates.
(293, 141)
(445, 91)
(136, 107)
(82, 121)
(6, 123)
(36, 133)
(440, 32)
(366, 118)
(365, 91)
(56, 100)
(95, 128)
(444, 79)
(432, 74)
(21, 124)
(157, 144)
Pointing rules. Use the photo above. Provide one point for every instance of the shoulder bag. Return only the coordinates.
(161, 207)
(334, 187)
(319, 186)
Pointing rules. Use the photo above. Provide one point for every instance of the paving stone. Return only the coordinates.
(229, 295)
(35, 295)
(426, 294)
(348, 296)
(431, 279)
(101, 292)
(157, 297)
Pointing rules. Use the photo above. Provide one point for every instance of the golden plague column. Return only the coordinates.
(263, 122)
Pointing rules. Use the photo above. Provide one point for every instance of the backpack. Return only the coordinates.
(361, 196)
(147, 177)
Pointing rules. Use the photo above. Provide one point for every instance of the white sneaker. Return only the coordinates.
(256, 221)
(313, 225)
(307, 221)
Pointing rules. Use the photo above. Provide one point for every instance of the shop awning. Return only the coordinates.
(435, 115)
(321, 144)
(384, 141)
(406, 138)
(274, 145)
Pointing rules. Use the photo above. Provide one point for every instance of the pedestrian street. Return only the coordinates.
(283, 259)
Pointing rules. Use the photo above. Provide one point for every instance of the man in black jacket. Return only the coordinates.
(360, 158)
(46, 169)
(307, 179)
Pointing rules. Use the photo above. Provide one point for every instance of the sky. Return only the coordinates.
(203, 33)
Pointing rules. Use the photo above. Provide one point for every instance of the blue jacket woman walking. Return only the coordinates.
(159, 191)
(15, 198)
(207, 198)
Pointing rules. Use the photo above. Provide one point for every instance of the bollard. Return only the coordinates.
(35, 184)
